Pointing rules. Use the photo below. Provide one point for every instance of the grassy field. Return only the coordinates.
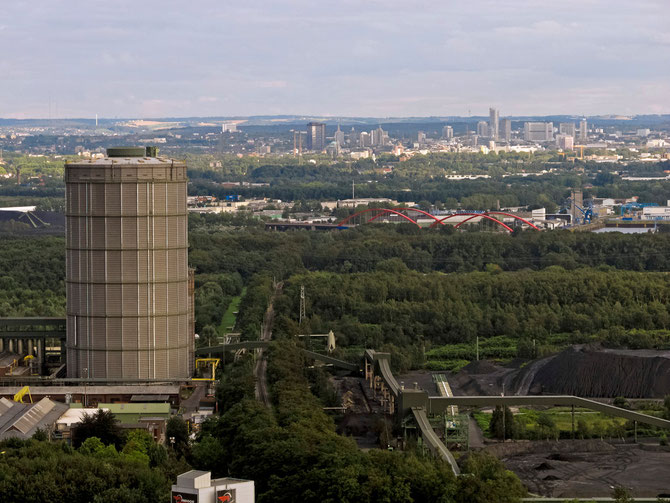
(229, 317)
(597, 424)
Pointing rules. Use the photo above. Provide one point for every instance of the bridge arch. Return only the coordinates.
(379, 212)
(515, 217)
(425, 213)
(463, 214)
(484, 215)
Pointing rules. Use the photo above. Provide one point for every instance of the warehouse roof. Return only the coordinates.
(23, 420)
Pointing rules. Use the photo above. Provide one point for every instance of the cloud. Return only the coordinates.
(377, 57)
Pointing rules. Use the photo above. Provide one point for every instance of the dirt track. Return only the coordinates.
(261, 361)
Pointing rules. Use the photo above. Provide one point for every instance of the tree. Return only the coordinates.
(583, 429)
(503, 424)
(622, 495)
(103, 425)
(546, 423)
(208, 336)
(176, 433)
(487, 481)
(621, 402)
(666, 405)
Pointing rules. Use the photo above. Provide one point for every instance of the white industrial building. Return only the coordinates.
(656, 213)
(197, 486)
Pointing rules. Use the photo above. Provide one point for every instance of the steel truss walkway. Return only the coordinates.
(235, 346)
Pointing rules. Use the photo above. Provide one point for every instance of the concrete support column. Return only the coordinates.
(40, 354)
(20, 346)
(2, 344)
(10, 345)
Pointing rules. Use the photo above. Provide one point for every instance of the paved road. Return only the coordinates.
(475, 434)
(192, 403)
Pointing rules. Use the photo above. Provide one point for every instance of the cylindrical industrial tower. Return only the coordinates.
(127, 267)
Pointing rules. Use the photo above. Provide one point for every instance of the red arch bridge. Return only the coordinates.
(415, 216)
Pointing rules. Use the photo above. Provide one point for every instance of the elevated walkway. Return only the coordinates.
(438, 404)
(235, 346)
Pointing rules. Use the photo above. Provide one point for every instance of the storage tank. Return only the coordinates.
(127, 267)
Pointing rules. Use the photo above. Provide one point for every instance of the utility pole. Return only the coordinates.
(302, 303)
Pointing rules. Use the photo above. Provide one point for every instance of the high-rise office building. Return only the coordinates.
(127, 274)
(538, 131)
(493, 123)
(364, 139)
(567, 128)
(505, 130)
(316, 136)
(378, 137)
(339, 136)
(583, 129)
(447, 132)
(421, 137)
(482, 128)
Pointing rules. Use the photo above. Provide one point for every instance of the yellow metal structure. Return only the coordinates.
(22, 392)
(213, 362)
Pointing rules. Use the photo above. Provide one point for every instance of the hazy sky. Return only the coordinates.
(150, 58)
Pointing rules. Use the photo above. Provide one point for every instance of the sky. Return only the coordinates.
(374, 58)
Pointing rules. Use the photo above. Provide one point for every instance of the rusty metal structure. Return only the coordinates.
(127, 271)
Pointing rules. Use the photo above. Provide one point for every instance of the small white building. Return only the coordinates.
(197, 486)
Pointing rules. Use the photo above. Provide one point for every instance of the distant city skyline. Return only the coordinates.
(390, 58)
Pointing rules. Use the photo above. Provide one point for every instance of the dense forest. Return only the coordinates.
(105, 464)
(397, 306)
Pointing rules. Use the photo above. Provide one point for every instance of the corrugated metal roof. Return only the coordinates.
(5, 405)
(32, 418)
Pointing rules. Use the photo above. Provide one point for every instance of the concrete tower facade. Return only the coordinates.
(316, 136)
(493, 123)
(127, 271)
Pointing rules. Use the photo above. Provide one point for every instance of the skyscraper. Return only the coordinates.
(538, 131)
(506, 129)
(447, 132)
(583, 129)
(339, 136)
(378, 137)
(483, 128)
(316, 136)
(567, 128)
(493, 123)
(127, 267)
